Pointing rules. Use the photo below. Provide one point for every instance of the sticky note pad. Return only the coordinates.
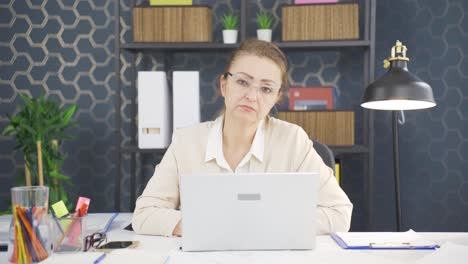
(60, 209)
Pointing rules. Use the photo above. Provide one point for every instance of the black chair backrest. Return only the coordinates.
(325, 153)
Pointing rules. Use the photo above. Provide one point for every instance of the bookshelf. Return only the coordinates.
(366, 45)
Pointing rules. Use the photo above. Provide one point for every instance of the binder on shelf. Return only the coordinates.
(311, 98)
(186, 98)
(154, 122)
(382, 240)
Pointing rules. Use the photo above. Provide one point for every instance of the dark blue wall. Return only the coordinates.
(433, 143)
(66, 50)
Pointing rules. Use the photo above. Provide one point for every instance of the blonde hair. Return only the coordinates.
(263, 49)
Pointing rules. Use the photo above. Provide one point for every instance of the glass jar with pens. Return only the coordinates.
(30, 232)
(69, 230)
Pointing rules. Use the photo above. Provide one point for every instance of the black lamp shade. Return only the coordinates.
(398, 89)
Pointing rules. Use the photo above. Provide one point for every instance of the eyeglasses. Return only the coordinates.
(244, 82)
(94, 240)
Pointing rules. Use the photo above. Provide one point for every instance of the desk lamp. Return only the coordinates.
(397, 90)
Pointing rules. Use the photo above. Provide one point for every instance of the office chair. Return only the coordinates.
(325, 153)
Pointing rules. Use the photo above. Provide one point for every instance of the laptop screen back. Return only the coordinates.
(253, 211)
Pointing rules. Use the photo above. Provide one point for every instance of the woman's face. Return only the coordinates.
(251, 88)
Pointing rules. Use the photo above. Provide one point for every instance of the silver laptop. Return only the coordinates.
(253, 211)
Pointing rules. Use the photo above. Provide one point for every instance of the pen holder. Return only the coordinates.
(30, 232)
(69, 234)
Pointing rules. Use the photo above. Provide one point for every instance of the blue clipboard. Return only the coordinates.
(384, 246)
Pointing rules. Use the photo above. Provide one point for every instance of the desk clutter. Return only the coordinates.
(69, 229)
(33, 236)
(29, 229)
(165, 250)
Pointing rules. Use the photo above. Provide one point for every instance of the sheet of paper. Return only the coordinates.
(134, 256)
(382, 238)
(448, 253)
(72, 258)
(214, 257)
(275, 257)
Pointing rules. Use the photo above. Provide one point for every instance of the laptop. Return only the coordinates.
(251, 211)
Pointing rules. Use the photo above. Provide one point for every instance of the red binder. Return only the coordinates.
(310, 98)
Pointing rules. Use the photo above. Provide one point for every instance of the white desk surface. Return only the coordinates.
(155, 249)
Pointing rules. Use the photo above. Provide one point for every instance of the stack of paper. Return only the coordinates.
(382, 240)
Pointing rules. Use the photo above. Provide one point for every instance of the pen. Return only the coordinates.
(100, 258)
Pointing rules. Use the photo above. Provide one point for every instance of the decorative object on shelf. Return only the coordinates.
(186, 98)
(170, 2)
(333, 128)
(320, 22)
(172, 24)
(311, 98)
(154, 110)
(398, 90)
(231, 25)
(305, 2)
(39, 129)
(264, 22)
(30, 230)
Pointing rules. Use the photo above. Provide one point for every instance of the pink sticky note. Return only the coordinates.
(82, 206)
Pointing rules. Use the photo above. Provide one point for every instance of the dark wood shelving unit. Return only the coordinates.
(213, 46)
(366, 44)
(170, 46)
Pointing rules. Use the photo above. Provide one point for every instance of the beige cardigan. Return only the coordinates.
(287, 149)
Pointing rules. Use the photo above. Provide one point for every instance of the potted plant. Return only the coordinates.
(39, 129)
(231, 23)
(264, 22)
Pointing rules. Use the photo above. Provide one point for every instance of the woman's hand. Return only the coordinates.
(177, 230)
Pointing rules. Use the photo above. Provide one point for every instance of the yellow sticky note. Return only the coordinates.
(60, 209)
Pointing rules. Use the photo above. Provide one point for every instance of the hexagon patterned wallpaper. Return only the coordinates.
(66, 49)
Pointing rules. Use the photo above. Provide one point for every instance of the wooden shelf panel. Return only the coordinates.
(179, 46)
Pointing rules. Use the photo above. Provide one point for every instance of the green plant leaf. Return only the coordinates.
(68, 114)
(26, 100)
(264, 20)
(230, 21)
(7, 212)
(8, 130)
(31, 131)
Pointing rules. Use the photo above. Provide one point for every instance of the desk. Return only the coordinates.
(156, 248)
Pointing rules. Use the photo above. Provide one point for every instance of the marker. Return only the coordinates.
(100, 258)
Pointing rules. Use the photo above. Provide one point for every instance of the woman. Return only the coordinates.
(243, 139)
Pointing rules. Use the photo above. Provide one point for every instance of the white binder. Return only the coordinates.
(186, 98)
(154, 117)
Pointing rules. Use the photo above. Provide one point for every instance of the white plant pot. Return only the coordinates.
(264, 34)
(229, 36)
